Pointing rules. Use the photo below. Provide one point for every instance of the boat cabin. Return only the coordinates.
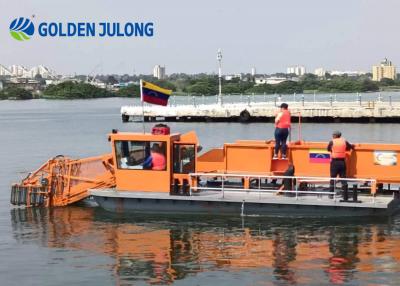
(153, 162)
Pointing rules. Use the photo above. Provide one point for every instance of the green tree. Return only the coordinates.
(386, 82)
(132, 90)
(16, 93)
(202, 88)
(288, 87)
(236, 87)
(111, 80)
(164, 84)
(73, 90)
(310, 82)
(262, 88)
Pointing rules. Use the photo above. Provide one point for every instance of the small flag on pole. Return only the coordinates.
(154, 94)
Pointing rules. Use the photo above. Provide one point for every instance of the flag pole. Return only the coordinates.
(141, 99)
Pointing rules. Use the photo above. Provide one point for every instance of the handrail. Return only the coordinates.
(280, 177)
(223, 188)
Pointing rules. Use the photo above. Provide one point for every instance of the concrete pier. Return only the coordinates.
(355, 111)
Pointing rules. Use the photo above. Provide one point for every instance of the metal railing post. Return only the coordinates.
(296, 192)
(345, 193)
(334, 186)
(334, 193)
(222, 185)
(190, 185)
(330, 99)
(302, 99)
(355, 195)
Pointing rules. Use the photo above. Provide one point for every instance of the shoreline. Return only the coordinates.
(179, 94)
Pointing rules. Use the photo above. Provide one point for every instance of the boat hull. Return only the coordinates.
(159, 203)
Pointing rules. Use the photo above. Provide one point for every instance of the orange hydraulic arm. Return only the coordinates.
(62, 181)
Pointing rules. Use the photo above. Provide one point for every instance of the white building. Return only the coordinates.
(319, 72)
(21, 71)
(4, 71)
(232, 76)
(41, 70)
(297, 70)
(269, 80)
(18, 70)
(253, 71)
(159, 72)
(349, 73)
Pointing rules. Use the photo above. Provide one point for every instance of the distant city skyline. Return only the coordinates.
(159, 72)
(267, 35)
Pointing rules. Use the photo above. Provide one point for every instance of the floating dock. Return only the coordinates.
(368, 111)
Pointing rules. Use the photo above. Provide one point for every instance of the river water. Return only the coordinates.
(84, 245)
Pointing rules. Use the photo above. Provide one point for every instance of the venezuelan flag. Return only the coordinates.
(154, 94)
(319, 156)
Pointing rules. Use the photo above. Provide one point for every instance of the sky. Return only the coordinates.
(267, 35)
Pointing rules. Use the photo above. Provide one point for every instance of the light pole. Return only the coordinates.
(219, 58)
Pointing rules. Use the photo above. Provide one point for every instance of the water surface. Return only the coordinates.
(84, 245)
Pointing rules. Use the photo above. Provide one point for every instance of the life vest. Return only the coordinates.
(284, 121)
(158, 162)
(338, 148)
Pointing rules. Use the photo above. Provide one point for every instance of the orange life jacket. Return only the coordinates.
(158, 161)
(338, 148)
(284, 121)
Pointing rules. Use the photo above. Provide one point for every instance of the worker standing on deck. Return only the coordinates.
(282, 126)
(338, 147)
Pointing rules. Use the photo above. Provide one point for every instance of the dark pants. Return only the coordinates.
(281, 135)
(338, 167)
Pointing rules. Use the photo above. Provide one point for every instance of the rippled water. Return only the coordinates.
(84, 245)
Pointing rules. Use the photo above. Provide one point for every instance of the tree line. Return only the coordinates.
(204, 84)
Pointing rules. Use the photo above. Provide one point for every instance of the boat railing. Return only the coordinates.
(296, 192)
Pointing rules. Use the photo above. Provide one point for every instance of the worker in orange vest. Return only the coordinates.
(282, 126)
(338, 147)
(158, 158)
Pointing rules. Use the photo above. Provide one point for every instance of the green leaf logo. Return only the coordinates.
(21, 29)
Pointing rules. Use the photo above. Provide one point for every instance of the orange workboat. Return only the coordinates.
(163, 172)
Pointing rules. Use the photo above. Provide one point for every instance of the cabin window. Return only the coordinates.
(141, 155)
(184, 158)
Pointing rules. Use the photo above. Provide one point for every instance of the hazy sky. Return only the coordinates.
(269, 35)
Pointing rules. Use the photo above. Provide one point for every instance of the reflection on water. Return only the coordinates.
(166, 250)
